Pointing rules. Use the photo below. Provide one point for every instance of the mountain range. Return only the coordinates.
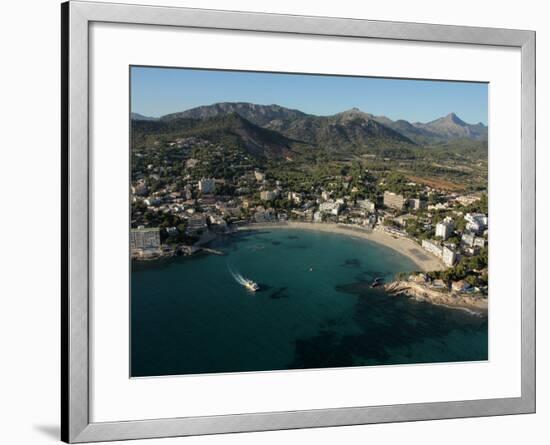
(275, 130)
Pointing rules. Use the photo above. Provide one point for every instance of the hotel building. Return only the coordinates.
(144, 238)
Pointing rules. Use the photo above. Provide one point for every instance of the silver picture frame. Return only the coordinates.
(77, 16)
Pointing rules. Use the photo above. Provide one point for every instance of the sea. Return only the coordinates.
(315, 308)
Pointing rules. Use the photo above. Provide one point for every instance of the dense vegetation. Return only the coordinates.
(312, 141)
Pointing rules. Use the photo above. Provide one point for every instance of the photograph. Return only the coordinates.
(291, 221)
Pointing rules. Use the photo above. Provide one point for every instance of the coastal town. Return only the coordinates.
(190, 191)
(283, 221)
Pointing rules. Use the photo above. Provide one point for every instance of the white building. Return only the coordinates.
(417, 204)
(268, 195)
(466, 200)
(295, 197)
(172, 231)
(432, 247)
(444, 228)
(207, 185)
(476, 222)
(448, 256)
(438, 206)
(325, 195)
(366, 205)
(468, 239)
(152, 201)
(444, 252)
(260, 176)
(145, 238)
(479, 241)
(330, 207)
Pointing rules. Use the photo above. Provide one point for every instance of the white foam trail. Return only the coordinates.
(238, 277)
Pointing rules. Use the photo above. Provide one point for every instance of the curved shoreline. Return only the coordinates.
(424, 260)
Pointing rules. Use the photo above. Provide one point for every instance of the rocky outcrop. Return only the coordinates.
(424, 292)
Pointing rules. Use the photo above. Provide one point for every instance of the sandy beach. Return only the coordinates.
(424, 260)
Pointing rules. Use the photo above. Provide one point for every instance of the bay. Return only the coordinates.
(315, 309)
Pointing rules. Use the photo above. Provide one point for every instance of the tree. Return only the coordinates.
(460, 223)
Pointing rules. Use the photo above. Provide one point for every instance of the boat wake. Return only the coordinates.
(238, 277)
(249, 284)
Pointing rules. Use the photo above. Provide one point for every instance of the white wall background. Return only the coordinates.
(29, 222)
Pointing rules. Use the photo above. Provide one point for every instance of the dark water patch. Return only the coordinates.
(276, 243)
(380, 273)
(245, 238)
(332, 323)
(352, 262)
(369, 276)
(264, 287)
(393, 329)
(279, 293)
(266, 239)
(358, 288)
(292, 237)
(253, 232)
(299, 246)
(321, 351)
(364, 276)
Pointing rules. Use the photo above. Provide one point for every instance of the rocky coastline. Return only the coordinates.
(473, 302)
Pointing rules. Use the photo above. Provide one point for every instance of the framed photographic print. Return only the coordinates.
(276, 222)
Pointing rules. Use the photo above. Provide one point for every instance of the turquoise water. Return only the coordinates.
(315, 309)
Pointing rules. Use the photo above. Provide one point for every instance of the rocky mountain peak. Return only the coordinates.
(453, 118)
(354, 113)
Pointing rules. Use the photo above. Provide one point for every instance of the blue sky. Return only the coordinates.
(159, 91)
